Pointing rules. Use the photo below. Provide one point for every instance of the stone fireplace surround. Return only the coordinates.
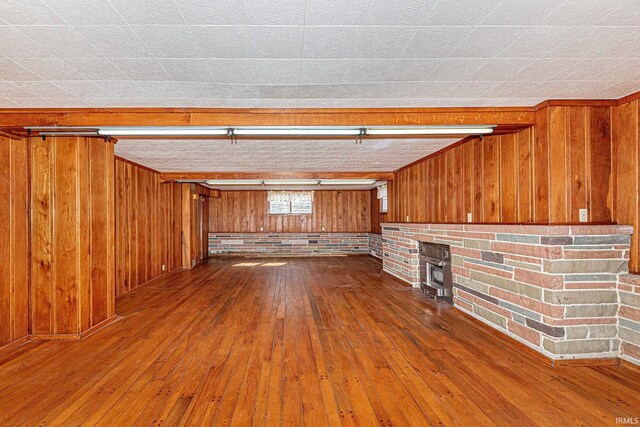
(562, 290)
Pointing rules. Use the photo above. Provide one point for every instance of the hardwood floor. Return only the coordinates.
(295, 341)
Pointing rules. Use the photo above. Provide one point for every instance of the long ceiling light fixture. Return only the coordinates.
(282, 131)
(431, 130)
(289, 182)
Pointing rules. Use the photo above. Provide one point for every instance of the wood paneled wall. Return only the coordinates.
(148, 226)
(14, 250)
(72, 235)
(626, 130)
(543, 174)
(247, 211)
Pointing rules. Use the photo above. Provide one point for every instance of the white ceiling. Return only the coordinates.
(315, 53)
(306, 155)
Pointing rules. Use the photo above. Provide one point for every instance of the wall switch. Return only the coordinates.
(407, 218)
(469, 217)
(261, 228)
(163, 267)
(322, 228)
(584, 215)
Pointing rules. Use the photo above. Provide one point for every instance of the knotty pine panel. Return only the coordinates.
(14, 251)
(248, 211)
(148, 226)
(543, 174)
(72, 231)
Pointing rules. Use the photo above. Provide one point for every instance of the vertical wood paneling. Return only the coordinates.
(491, 179)
(508, 179)
(148, 224)
(72, 235)
(336, 211)
(14, 252)
(525, 175)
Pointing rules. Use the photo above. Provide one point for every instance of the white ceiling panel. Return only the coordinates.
(277, 155)
(319, 53)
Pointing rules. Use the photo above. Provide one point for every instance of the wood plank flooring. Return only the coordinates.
(299, 341)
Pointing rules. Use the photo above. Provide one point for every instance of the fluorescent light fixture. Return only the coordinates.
(162, 131)
(291, 182)
(431, 130)
(347, 181)
(293, 131)
(234, 182)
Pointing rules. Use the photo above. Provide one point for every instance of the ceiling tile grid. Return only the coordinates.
(315, 53)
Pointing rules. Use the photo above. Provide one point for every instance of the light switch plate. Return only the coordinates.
(584, 215)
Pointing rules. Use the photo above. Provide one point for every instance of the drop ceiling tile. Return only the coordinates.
(28, 12)
(588, 41)
(475, 89)
(160, 90)
(68, 102)
(11, 91)
(536, 42)
(597, 69)
(367, 70)
(336, 12)
(435, 42)
(581, 12)
(149, 12)
(320, 71)
(17, 45)
(223, 42)
(233, 70)
(82, 89)
(278, 103)
(399, 12)
(122, 89)
(120, 103)
(278, 71)
(7, 103)
(10, 70)
(457, 69)
(499, 69)
(523, 89)
(206, 12)
(278, 91)
(169, 41)
(86, 12)
(382, 42)
(50, 68)
(142, 69)
(620, 90)
(487, 42)
(187, 70)
(545, 69)
(320, 91)
(622, 70)
(329, 42)
(628, 14)
(96, 68)
(63, 42)
(460, 12)
(33, 103)
(44, 90)
(276, 42)
(520, 12)
(629, 47)
(114, 41)
(412, 69)
(265, 12)
(583, 89)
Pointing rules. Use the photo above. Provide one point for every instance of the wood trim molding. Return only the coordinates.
(193, 176)
(629, 98)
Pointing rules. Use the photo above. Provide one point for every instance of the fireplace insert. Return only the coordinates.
(435, 271)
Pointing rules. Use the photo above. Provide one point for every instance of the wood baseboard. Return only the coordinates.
(598, 361)
(7, 348)
(73, 337)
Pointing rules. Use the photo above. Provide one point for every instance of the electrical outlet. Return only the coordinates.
(407, 218)
(163, 267)
(584, 215)
(322, 228)
(261, 228)
(469, 217)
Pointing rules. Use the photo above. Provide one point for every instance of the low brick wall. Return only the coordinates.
(288, 243)
(629, 317)
(554, 288)
(375, 245)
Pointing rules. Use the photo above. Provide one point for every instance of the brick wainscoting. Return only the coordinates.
(629, 317)
(288, 243)
(554, 288)
(375, 245)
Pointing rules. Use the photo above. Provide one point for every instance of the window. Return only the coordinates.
(382, 195)
(290, 202)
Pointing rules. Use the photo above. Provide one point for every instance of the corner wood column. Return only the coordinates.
(188, 225)
(72, 232)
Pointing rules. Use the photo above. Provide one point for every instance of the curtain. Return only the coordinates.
(382, 192)
(290, 196)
